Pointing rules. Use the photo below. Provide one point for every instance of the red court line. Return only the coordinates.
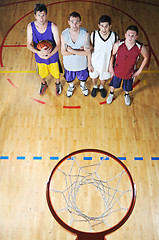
(7, 4)
(1, 48)
(39, 101)
(153, 4)
(14, 45)
(72, 107)
(101, 103)
(136, 83)
(11, 83)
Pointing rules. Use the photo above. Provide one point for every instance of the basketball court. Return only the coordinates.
(36, 131)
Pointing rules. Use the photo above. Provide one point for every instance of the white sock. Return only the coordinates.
(82, 83)
(96, 86)
(101, 87)
(71, 84)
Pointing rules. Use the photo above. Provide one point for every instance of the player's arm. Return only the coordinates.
(83, 51)
(144, 53)
(64, 51)
(90, 67)
(30, 39)
(114, 51)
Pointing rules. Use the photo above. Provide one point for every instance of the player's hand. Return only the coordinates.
(136, 73)
(69, 49)
(90, 68)
(111, 70)
(44, 52)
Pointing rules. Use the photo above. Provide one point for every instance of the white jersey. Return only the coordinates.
(75, 62)
(102, 52)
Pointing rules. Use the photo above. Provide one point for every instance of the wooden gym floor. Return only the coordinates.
(37, 131)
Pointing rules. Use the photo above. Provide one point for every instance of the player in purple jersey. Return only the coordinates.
(127, 52)
(47, 59)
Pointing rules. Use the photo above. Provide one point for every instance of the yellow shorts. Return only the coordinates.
(44, 70)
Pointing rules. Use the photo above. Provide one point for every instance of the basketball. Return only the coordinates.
(44, 43)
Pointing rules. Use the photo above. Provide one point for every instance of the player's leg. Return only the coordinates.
(102, 90)
(70, 77)
(114, 83)
(82, 77)
(95, 89)
(55, 72)
(127, 87)
(43, 72)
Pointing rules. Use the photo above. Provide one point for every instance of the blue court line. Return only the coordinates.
(105, 158)
(87, 158)
(122, 158)
(138, 158)
(54, 158)
(155, 158)
(4, 157)
(72, 158)
(20, 158)
(37, 158)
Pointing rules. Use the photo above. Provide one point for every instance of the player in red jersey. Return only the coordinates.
(127, 53)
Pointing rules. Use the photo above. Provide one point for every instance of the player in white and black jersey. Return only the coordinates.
(102, 43)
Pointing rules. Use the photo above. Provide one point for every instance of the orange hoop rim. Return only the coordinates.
(91, 235)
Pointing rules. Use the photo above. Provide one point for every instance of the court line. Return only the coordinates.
(136, 83)
(105, 158)
(37, 158)
(54, 158)
(138, 158)
(4, 157)
(18, 71)
(72, 107)
(87, 158)
(39, 101)
(20, 157)
(12, 83)
(84, 158)
(14, 45)
(155, 158)
(122, 158)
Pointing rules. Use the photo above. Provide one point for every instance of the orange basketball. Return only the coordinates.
(44, 43)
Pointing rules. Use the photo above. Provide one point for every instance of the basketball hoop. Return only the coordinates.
(91, 193)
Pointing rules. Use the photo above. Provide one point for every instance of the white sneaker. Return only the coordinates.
(70, 91)
(127, 99)
(84, 89)
(110, 98)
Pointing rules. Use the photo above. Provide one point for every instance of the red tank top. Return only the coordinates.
(126, 60)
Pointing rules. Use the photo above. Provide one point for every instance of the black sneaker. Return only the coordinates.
(43, 88)
(103, 92)
(58, 88)
(94, 92)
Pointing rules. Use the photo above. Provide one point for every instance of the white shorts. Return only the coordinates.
(102, 76)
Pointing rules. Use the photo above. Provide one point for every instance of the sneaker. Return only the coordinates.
(84, 90)
(127, 99)
(110, 98)
(103, 92)
(94, 92)
(70, 91)
(58, 88)
(43, 88)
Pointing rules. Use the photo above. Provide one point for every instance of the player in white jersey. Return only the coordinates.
(102, 42)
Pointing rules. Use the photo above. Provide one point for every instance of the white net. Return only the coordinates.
(90, 195)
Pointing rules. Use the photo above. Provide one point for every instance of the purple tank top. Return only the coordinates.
(47, 35)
